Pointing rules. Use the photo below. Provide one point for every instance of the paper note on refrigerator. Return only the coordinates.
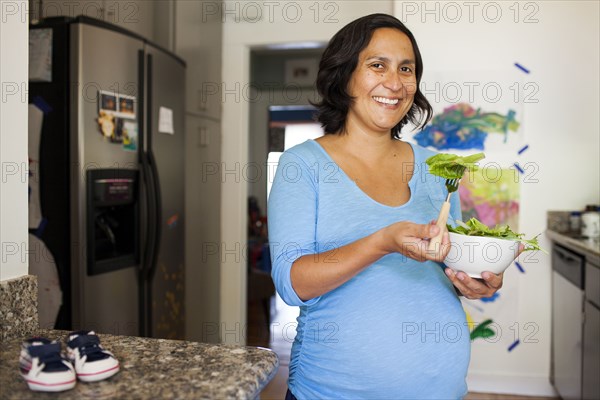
(40, 55)
(165, 120)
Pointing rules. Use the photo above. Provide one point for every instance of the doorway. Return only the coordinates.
(282, 84)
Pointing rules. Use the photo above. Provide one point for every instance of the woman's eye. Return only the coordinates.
(377, 65)
(406, 69)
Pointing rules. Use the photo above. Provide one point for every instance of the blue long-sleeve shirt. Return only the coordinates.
(395, 330)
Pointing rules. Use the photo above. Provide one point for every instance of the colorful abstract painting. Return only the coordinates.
(483, 111)
(492, 196)
(463, 127)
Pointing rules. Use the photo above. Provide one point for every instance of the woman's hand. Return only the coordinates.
(411, 240)
(473, 288)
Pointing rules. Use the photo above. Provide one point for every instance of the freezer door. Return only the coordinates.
(164, 142)
(103, 63)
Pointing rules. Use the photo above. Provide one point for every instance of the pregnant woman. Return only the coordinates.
(349, 222)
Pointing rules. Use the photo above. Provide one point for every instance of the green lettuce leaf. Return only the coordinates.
(474, 227)
(451, 166)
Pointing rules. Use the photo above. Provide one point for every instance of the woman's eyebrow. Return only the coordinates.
(406, 61)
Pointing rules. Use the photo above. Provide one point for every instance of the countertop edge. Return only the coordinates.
(256, 394)
(591, 254)
(147, 362)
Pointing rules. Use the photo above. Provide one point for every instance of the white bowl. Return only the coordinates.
(476, 254)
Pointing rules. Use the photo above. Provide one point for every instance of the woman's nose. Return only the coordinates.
(393, 81)
(398, 82)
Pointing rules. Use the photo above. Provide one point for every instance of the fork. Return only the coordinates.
(436, 241)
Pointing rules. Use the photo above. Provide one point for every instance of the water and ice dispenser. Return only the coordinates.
(112, 220)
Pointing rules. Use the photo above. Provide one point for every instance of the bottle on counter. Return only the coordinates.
(590, 222)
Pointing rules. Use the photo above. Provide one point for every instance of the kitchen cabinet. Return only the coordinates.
(198, 32)
(198, 40)
(134, 15)
(137, 16)
(203, 253)
(591, 334)
(575, 317)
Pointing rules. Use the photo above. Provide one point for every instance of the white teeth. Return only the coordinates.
(385, 100)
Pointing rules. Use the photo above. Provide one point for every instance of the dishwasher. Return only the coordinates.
(591, 333)
(567, 322)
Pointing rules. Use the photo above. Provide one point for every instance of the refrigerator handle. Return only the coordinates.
(151, 221)
(144, 286)
(148, 264)
(157, 217)
(145, 236)
(141, 104)
(154, 173)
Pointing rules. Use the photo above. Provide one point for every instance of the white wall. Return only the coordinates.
(281, 22)
(561, 50)
(14, 39)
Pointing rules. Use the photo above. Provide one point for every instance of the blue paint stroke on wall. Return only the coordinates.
(522, 68)
(523, 149)
(515, 344)
(490, 299)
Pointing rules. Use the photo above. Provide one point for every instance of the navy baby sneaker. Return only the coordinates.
(43, 366)
(91, 361)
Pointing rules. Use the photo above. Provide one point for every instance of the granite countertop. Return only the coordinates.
(156, 369)
(589, 247)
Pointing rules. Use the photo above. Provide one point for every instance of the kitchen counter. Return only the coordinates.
(157, 369)
(589, 247)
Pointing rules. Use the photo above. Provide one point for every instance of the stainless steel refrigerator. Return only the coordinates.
(111, 176)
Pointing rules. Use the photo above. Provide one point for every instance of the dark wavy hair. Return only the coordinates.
(339, 61)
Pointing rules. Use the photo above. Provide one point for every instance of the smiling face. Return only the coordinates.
(383, 84)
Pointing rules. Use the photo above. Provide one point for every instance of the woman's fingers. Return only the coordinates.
(521, 249)
(440, 252)
(473, 288)
(459, 280)
(425, 231)
(492, 280)
(412, 240)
